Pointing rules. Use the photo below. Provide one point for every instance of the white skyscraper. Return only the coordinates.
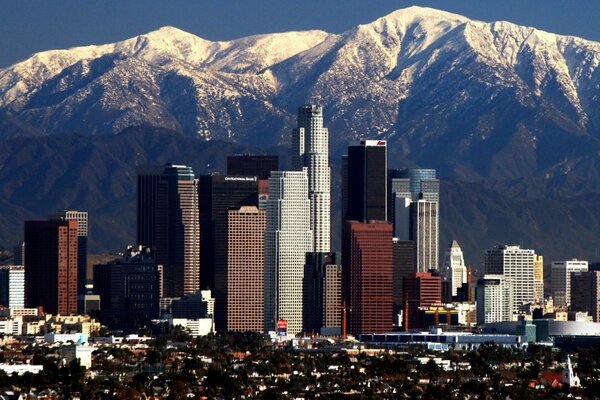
(12, 286)
(494, 299)
(517, 265)
(454, 269)
(288, 238)
(561, 280)
(424, 218)
(310, 151)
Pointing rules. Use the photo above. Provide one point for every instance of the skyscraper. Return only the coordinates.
(585, 293)
(368, 275)
(310, 151)
(219, 193)
(561, 280)
(538, 276)
(322, 293)
(245, 271)
(404, 266)
(177, 230)
(414, 211)
(288, 238)
(517, 265)
(365, 181)
(454, 270)
(51, 266)
(494, 299)
(12, 286)
(82, 239)
(148, 179)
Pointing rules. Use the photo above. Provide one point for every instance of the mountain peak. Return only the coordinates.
(416, 14)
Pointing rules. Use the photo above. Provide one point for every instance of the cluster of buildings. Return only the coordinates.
(250, 250)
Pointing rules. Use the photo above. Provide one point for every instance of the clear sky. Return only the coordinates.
(28, 26)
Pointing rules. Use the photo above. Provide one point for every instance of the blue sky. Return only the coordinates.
(28, 26)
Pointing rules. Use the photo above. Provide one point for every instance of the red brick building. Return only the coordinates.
(51, 266)
(421, 289)
(368, 275)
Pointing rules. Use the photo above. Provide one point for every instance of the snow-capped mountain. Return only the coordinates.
(474, 99)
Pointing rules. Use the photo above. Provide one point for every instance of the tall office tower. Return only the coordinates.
(368, 275)
(51, 266)
(538, 276)
(82, 239)
(494, 299)
(19, 254)
(129, 288)
(454, 270)
(310, 150)
(288, 238)
(414, 204)
(365, 181)
(177, 233)
(148, 179)
(12, 286)
(585, 293)
(404, 266)
(424, 218)
(219, 193)
(244, 302)
(322, 295)
(561, 280)
(517, 265)
(421, 289)
(254, 165)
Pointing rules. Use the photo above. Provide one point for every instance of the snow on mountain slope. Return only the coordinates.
(492, 97)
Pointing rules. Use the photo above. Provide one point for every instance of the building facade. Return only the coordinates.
(82, 243)
(288, 238)
(517, 265)
(12, 286)
(310, 151)
(51, 266)
(368, 275)
(538, 276)
(129, 288)
(561, 280)
(364, 181)
(219, 193)
(421, 289)
(178, 231)
(244, 302)
(414, 210)
(454, 270)
(585, 293)
(322, 293)
(494, 299)
(169, 224)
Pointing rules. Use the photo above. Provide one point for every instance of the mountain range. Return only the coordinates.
(509, 115)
